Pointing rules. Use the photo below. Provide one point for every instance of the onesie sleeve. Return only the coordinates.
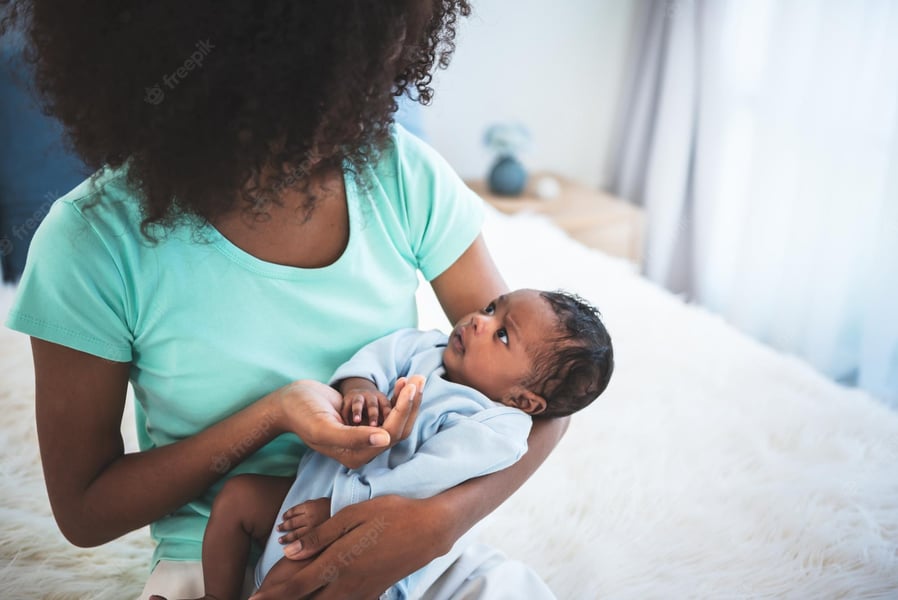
(443, 215)
(71, 291)
(464, 447)
(386, 359)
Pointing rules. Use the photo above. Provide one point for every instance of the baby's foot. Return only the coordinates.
(300, 519)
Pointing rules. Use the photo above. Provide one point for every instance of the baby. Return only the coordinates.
(527, 354)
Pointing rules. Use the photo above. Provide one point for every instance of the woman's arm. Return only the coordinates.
(399, 535)
(470, 283)
(98, 492)
(367, 547)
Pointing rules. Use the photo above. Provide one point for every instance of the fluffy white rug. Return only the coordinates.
(712, 467)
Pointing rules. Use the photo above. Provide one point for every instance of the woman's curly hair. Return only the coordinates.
(197, 97)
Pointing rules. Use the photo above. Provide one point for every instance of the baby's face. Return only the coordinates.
(491, 350)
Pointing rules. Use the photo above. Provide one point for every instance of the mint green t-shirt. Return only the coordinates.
(209, 329)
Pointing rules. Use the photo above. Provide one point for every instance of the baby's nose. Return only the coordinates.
(480, 322)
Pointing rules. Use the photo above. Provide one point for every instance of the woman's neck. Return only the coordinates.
(307, 229)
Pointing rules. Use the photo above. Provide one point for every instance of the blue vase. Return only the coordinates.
(507, 177)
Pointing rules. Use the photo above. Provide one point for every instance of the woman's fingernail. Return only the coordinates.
(379, 439)
(293, 549)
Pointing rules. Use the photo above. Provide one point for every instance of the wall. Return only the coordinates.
(556, 67)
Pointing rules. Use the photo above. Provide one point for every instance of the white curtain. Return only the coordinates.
(763, 141)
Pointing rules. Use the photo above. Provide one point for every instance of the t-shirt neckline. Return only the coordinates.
(278, 271)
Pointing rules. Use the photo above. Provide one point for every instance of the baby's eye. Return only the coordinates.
(503, 336)
(490, 308)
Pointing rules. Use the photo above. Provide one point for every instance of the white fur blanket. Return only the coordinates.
(713, 467)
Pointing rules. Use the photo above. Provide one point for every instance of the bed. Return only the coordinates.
(712, 467)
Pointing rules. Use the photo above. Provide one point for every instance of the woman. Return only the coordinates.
(255, 218)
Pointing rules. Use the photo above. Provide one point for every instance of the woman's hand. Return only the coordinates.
(311, 410)
(362, 550)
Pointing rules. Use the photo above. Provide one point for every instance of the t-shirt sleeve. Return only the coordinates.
(444, 216)
(71, 291)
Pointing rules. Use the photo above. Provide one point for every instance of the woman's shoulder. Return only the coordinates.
(108, 205)
(410, 170)
(438, 215)
(104, 202)
(98, 225)
(407, 152)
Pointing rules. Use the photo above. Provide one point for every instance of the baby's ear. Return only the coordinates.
(522, 398)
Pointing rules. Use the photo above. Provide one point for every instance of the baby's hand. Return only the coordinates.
(371, 403)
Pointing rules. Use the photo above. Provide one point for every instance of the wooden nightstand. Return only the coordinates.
(590, 216)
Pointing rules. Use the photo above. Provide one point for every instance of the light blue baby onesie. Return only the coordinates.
(459, 434)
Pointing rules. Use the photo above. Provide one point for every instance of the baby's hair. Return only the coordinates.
(574, 368)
